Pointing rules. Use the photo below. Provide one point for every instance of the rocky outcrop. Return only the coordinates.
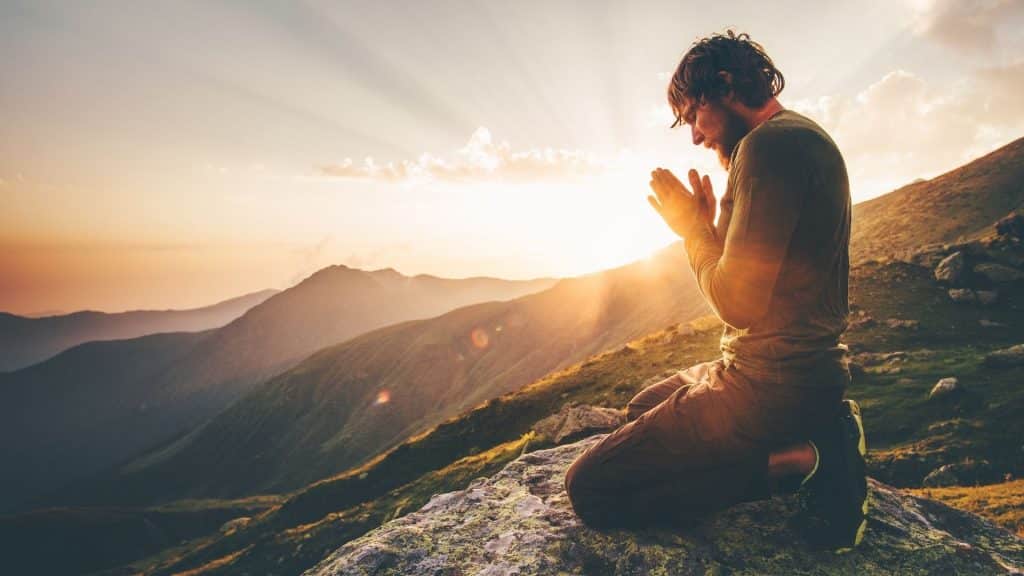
(1006, 357)
(573, 422)
(945, 387)
(520, 522)
(1011, 225)
(965, 473)
(951, 270)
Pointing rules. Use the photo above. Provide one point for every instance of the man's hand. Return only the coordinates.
(680, 208)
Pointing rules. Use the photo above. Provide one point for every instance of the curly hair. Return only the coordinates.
(754, 78)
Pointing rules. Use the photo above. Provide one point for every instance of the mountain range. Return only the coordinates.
(113, 399)
(25, 341)
(368, 429)
(347, 403)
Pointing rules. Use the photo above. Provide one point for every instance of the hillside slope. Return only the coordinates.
(128, 410)
(26, 341)
(957, 205)
(349, 402)
(909, 433)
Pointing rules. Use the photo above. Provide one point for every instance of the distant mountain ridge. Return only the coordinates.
(957, 205)
(113, 399)
(349, 402)
(27, 340)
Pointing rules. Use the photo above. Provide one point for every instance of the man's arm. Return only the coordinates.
(738, 274)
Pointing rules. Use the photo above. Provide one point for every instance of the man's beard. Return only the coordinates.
(733, 131)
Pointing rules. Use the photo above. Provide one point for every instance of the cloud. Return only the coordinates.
(969, 25)
(480, 159)
(902, 127)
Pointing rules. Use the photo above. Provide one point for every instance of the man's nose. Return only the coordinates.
(698, 136)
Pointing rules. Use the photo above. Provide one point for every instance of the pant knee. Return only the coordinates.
(583, 491)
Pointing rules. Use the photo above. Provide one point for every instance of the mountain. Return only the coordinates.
(908, 332)
(25, 341)
(95, 405)
(347, 403)
(910, 433)
(958, 205)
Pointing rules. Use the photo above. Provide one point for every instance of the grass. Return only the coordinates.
(1002, 503)
(908, 433)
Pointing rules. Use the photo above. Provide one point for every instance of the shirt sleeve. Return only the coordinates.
(737, 274)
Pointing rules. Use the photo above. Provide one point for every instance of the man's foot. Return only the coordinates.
(835, 496)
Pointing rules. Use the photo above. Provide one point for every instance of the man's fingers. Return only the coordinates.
(670, 183)
(709, 197)
(657, 189)
(654, 204)
(695, 184)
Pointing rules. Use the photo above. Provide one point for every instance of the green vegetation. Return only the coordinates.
(909, 434)
(1003, 503)
(94, 538)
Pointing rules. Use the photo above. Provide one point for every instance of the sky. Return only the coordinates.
(160, 155)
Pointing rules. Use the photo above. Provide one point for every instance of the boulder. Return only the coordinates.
(235, 525)
(986, 297)
(1011, 225)
(1006, 357)
(901, 324)
(945, 387)
(986, 323)
(962, 295)
(952, 269)
(520, 522)
(966, 473)
(998, 274)
(573, 422)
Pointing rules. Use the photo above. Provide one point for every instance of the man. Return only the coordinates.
(769, 416)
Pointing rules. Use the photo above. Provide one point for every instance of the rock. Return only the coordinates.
(1011, 225)
(575, 421)
(1006, 357)
(902, 324)
(928, 256)
(966, 473)
(998, 273)
(945, 387)
(986, 323)
(952, 269)
(520, 522)
(236, 524)
(987, 297)
(962, 295)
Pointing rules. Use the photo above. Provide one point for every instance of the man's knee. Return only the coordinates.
(634, 409)
(581, 487)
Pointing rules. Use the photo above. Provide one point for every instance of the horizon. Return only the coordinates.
(173, 157)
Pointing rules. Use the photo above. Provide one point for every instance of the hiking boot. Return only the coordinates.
(834, 498)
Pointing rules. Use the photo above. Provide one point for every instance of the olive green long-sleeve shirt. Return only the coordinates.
(776, 267)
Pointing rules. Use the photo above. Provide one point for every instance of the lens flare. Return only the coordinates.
(383, 397)
(479, 338)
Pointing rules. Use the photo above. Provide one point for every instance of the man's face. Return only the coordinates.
(715, 126)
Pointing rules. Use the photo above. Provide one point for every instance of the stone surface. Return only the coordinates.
(1011, 225)
(951, 270)
(999, 273)
(901, 324)
(520, 522)
(962, 295)
(987, 297)
(1006, 357)
(967, 473)
(573, 422)
(945, 387)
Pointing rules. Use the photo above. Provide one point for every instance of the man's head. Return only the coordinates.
(719, 86)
